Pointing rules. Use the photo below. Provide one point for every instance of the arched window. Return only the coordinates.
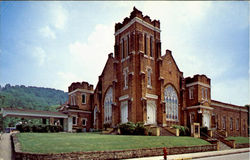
(171, 103)
(108, 106)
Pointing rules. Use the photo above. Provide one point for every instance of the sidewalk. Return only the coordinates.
(195, 155)
(5, 147)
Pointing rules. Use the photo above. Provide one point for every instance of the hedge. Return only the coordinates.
(38, 128)
(131, 128)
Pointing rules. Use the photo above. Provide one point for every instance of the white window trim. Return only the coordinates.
(85, 98)
(85, 121)
(202, 93)
(191, 93)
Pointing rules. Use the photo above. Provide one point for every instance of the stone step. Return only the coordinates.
(165, 132)
(223, 146)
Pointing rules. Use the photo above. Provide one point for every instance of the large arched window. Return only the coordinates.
(108, 106)
(171, 103)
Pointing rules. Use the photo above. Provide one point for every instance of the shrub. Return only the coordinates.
(19, 127)
(27, 128)
(106, 125)
(139, 128)
(38, 128)
(183, 131)
(204, 130)
(131, 128)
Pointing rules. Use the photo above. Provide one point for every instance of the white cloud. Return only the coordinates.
(231, 91)
(87, 59)
(66, 78)
(40, 55)
(59, 15)
(47, 32)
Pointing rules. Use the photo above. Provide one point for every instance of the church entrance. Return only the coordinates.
(206, 119)
(124, 112)
(151, 112)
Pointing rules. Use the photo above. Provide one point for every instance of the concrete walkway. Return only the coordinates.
(196, 155)
(5, 147)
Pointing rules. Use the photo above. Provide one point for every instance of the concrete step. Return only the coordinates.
(165, 132)
(223, 146)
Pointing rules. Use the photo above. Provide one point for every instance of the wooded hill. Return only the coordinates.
(37, 98)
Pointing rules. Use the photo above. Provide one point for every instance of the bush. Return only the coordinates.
(183, 131)
(204, 130)
(131, 128)
(19, 127)
(38, 128)
(106, 125)
(139, 128)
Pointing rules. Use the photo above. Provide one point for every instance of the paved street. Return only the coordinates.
(239, 156)
(5, 147)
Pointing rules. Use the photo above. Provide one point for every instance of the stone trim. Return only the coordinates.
(200, 106)
(126, 96)
(153, 96)
(74, 110)
(199, 83)
(138, 20)
(102, 155)
(228, 107)
(81, 90)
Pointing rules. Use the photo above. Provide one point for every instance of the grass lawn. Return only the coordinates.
(73, 142)
(239, 139)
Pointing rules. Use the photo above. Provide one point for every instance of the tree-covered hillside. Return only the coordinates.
(37, 98)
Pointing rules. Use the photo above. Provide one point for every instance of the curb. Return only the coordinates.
(222, 154)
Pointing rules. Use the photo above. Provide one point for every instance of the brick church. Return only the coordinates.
(139, 84)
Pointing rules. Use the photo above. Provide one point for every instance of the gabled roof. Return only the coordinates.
(168, 52)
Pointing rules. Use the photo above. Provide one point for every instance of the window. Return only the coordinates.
(202, 93)
(224, 122)
(127, 45)
(125, 73)
(206, 93)
(231, 123)
(151, 46)
(145, 44)
(244, 125)
(83, 98)
(73, 100)
(171, 103)
(191, 93)
(95, 112)
(149, 78)
(74, 119)
(122, 48)
(84, 121)
(191, 118)
(108, 100)
(237, 124)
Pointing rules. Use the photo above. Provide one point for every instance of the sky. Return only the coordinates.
(52, 44)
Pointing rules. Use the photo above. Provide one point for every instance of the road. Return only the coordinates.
(5, 147)
(238, 156)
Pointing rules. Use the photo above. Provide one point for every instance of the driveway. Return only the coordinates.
(5, 147)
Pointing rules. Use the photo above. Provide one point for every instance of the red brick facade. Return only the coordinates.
(139, 84)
